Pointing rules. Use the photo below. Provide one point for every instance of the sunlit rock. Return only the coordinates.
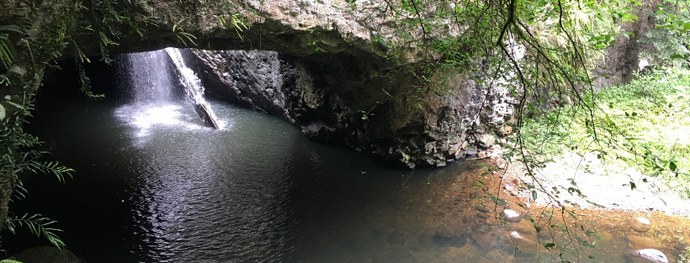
(638, 242)
(640, 224)
(485, 140)
(511, 215)
(646, 256)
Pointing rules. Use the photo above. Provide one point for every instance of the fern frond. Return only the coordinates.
(19, 190)
(6, 51)
(12, 28)
(38, 225)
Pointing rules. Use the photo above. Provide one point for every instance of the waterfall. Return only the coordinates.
(149, 77)
(193, 88)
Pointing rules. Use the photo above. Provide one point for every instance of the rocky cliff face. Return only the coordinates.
(622, 59)
(332, 99)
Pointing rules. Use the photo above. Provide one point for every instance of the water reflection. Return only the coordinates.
(203, 194)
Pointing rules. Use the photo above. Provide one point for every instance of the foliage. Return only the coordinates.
(20, 156)
(6, 47)
(233, 21)
(642, 124)
(181, 34)
(670, 39)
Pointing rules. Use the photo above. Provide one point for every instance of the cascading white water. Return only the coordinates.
(149, 79)
(193, 88)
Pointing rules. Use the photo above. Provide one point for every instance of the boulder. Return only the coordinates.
(485, 140)
(640, 224)
(646, 256)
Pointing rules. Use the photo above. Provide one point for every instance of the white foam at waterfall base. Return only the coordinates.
(150, 82)
(145, 117)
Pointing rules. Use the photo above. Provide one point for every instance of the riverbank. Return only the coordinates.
(600, 186)
(603, 220)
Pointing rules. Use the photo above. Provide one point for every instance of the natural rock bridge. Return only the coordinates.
(330, 71)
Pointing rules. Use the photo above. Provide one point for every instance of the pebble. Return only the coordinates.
(640, 224)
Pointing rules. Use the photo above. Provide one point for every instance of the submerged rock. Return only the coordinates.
(640, 224)
(450, 241)
(522, 226)
(485, 240)
(646, 256)
(45, 254)
(524, 244)
(638, 242)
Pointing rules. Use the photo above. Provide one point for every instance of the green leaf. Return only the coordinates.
(678, 56)
(671, 165)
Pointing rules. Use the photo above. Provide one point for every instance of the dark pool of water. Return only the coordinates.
(153, 185)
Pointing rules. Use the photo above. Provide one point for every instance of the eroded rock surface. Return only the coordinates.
(340, 98)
